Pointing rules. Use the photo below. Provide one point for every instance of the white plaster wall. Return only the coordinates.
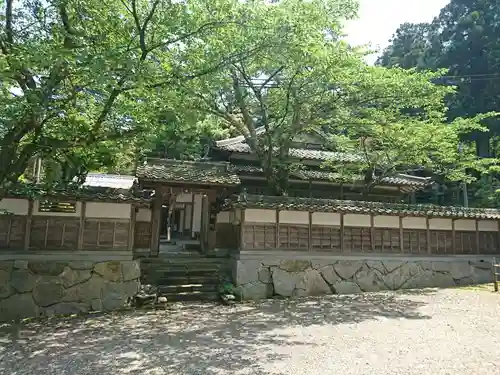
(78, 207)
(465, 225)
(143, 214)
(294, 217)
(488, 225)
(197, 213)
(184, 198)
(108, 210)
(414, 223)
(356, 220)
(15, 206)
(440, 224)
(326, 218)
(260, 216)
(386, 221)
(224, 217)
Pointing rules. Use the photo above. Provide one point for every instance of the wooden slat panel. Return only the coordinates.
(441, 242)
(415, 241)
(325, 238)
(387, 240)
(294, 236)
(488, 242)
(12, 231)
(142, 235)
(465, 242)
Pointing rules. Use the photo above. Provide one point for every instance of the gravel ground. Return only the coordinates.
(420, 332)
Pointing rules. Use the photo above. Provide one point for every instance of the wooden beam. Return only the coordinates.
(131, 231)
(192, 215)
(81, 228)
(155, 224)
(27, 232)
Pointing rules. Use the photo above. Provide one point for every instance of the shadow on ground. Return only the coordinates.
(190, 339)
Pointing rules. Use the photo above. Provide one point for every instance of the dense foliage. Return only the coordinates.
(96, 85)
(463, 39)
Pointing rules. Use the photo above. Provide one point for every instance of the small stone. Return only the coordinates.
(23, 280)
(131, 270)
(81, 265)
(72, 277)
(46, 268)
(347, 287)
(162, 299)
(48, 291)
(111, 271)
(65, 308)
(5, 286)
(21, 264)
(18, 306)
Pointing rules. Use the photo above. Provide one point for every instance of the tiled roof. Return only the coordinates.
(300, 153)
(358, 207)
(74, 191)
(307, 174)
(238, 144)
(202, 173)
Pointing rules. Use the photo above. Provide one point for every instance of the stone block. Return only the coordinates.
(18, 306)
(399, 276)
(131, 270)
(87, 291)
(113, 302)
(255, 291)
(23, 280)
(96, 305)
(329, 274)
(111, 271)
(71, 277)
(481, 265)
(47, 268)
(264, 275)
(376, 266)
(5, 285)
(285, 282)
(347, 287)
(392, 265)
(461, 269)
(441, 266)
(6, 265)
(48, 290)
(429, 279)
(346, 269)
(81, 265)
(247, 271)
(482, 275)
(368, 280)
(314, 284)
(295, 265)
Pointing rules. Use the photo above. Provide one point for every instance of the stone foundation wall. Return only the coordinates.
(45, 288)
(257, 279)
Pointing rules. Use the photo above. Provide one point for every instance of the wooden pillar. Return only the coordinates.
(205, 225)
(478, 251)
(372, 232)
(277, 233)
(192, 215)
(309, 239)
(156, 224)
(242, 229)
(27, 231)
(341, 232)
(81, 228)
(401, 235)
(453, 237)
(428, 234)
(131, 231)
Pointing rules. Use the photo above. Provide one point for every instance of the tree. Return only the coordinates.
(77, 76)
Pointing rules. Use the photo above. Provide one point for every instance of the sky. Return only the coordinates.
(379, 19)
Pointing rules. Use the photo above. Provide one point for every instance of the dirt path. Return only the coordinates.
(431, 332)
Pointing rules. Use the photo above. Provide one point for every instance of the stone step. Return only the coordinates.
(185, 260)
(187, 288)
(180, 280)
(191, 296)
